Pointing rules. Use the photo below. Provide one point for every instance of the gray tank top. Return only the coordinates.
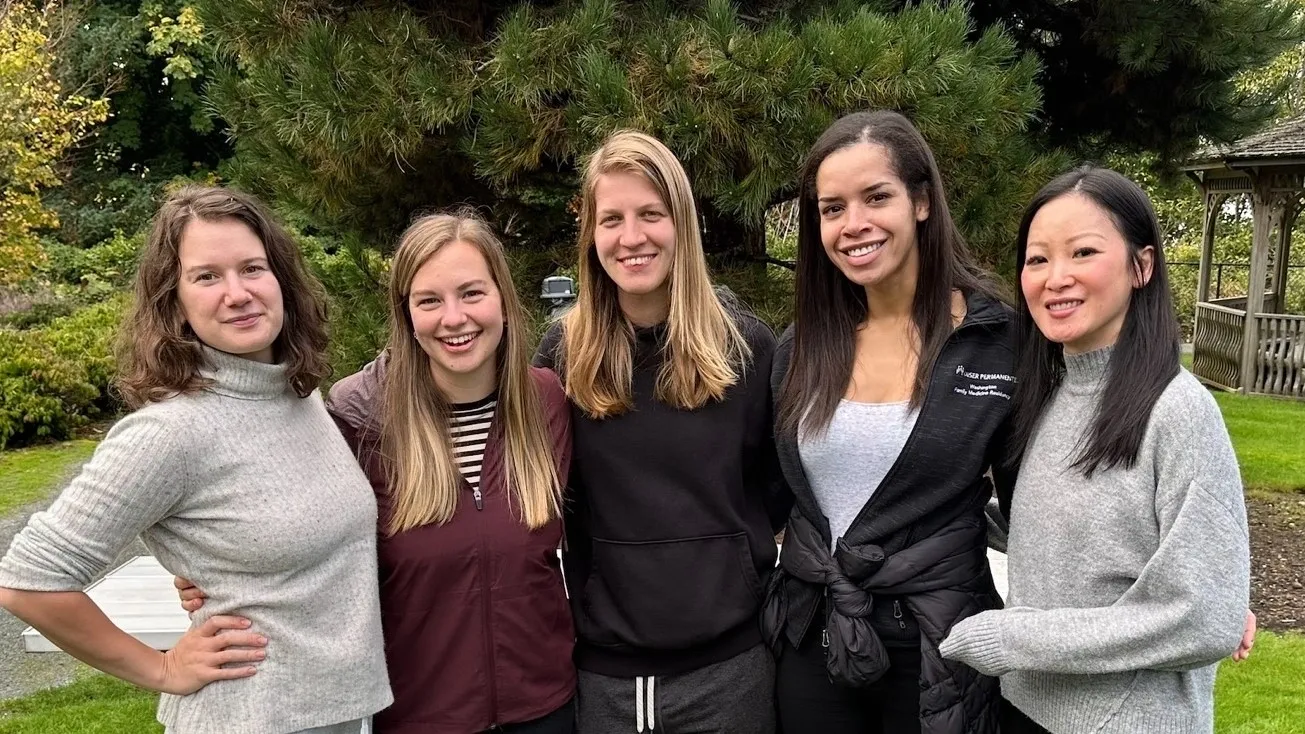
(846, 465)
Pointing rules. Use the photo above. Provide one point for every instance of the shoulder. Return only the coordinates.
(548, 354)
(356, 399)
(549, 386)
(1186, 404)
(756, 333)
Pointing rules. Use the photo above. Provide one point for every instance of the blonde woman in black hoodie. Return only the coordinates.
(675, 491)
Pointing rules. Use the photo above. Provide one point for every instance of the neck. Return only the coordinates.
(893, 299)
(466, 387)
(645, 309)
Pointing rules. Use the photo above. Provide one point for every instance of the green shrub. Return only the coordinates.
(56, 378)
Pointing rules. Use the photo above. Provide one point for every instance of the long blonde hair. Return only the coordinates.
(424, 480)
(704, 347)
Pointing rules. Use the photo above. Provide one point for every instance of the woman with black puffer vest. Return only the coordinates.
(675, 493)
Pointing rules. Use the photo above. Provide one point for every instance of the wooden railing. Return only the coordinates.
(1280, 360)
(1217, 345)
(1239, 302)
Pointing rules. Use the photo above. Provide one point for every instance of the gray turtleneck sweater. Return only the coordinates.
(250, 492)
(1128, 588)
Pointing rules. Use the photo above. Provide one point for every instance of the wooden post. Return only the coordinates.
(1213, 202)
(1291, 210)
(1262, 211)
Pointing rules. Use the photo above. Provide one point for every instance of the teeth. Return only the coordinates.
(458, 340)
(858, 252)
(641, 260)
(1064, 306)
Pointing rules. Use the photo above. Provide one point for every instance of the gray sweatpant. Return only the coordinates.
(735, 696)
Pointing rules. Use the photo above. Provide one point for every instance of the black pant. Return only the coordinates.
(561, 721)
(809, 701)
(1013, 721)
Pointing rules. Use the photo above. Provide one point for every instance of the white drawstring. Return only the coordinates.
(652, 710)
(638, 704)
(639, 707)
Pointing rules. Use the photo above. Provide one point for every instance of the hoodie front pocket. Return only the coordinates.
(670, 594)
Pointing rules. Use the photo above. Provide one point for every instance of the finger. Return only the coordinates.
(226, 657)
(223, 622)
(193, 605)
(239, 639)
(212, 674)
(191, 594)
(181, 583)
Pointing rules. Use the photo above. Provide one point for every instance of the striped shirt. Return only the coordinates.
(469, 426)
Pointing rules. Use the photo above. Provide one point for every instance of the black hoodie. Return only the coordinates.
(671, 517)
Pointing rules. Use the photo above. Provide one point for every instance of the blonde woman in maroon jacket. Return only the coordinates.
(467, 447)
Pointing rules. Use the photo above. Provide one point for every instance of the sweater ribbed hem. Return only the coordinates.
(977, 643)
(1091, 705)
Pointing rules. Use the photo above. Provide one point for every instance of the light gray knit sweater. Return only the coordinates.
(251, 492)
(1128, 588)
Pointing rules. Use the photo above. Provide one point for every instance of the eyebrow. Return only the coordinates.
(209, 266)
(477, 283)
(866, 190)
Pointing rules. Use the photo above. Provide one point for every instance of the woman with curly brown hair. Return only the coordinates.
(234, 475)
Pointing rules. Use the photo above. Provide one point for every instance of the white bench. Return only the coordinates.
(138, 596)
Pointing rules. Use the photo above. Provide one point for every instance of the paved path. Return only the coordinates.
(21, 672)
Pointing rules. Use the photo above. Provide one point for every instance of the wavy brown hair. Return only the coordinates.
(423, 477)
(159, 356)
(704, 347)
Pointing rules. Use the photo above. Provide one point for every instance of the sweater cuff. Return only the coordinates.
(977, 643)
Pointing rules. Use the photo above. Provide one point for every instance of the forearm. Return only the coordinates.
(77, 626)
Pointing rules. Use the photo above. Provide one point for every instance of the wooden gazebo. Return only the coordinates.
(1247, 343)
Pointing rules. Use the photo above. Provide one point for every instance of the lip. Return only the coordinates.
(1063, 313)
(625, 261)
(459, 348)
(866, 258)
(245, 320)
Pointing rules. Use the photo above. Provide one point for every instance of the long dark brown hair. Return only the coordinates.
(1145, 357)
(159, 355)
(830, 307)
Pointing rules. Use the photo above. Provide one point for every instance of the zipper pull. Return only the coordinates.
(824, 637)
(475, 494)
(897, 613)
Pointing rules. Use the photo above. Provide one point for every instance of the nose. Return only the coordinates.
(1059, 275)
(857, 221)
(236, 293)
(452, 315)
(632, 233)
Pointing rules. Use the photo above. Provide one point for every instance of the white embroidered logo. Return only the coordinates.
(983, 384)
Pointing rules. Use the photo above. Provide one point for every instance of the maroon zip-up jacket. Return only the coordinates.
(477, 627)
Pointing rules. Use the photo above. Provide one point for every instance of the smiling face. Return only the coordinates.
(634, 239)
(457, 318)
(227, 291)
(867, 216)
(1078, 274)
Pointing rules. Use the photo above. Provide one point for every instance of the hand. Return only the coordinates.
(191, 597)
(200, 655)
(1248, 639)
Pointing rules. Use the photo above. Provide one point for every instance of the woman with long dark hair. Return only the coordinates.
(1129, 563)
(894, 385)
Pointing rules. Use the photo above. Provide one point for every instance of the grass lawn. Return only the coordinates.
(1264, 694)
(1269, 437)
(27, 475)
(96, 704)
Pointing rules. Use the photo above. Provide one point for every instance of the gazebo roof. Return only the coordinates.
(1280, 144)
